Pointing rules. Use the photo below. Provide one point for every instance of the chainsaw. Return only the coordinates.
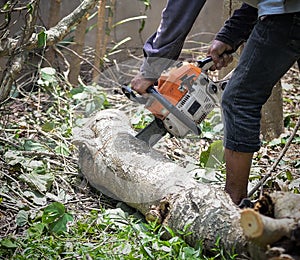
(179, 101)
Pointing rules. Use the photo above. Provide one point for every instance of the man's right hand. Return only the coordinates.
(217, 51)
(140, 84)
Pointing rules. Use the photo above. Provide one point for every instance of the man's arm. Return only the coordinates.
(235, 31)
(238, 27)
(165, 45)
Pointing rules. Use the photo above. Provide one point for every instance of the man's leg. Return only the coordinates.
(237, 173)
(273, 47)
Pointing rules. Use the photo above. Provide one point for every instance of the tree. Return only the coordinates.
(31, 37)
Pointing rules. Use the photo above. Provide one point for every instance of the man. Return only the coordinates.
(272, 31)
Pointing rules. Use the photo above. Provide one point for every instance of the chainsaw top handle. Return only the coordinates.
(130, 94)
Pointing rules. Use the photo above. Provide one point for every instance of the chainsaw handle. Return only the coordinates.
(130, 94)
(207, 62)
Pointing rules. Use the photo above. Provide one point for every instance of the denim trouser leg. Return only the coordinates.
(273, 47)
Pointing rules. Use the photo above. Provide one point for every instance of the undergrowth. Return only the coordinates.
(47, 210)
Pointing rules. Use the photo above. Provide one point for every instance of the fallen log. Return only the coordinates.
(125, 168)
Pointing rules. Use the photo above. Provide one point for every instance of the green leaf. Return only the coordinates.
(42, 182)
(29, 145)
(42, 39)
(22, 218)
(36, 230)
(48, 126)
(129, 20)
(36, 197)
(213, 156)
(61, 224)
(53, 212)
(78, 90)
(56, 217)
(62, 149)
(9, 243)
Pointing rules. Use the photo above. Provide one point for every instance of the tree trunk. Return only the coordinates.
(272, 115)
(54, 17)
(77, 47)
(125, 168)
(100, 44)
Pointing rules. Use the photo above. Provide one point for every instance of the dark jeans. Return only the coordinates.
(272, 48)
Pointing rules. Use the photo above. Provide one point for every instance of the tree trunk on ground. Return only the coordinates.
(125, 168)
(272, 115)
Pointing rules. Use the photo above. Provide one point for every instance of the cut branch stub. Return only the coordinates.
(264, 230)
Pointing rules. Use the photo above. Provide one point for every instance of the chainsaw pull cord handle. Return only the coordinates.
(174, 110)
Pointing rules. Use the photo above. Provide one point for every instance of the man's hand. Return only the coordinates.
(217, 51)
(140, 84)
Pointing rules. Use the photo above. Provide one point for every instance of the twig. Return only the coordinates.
(18, 188)
(6, 141)
(274, 165)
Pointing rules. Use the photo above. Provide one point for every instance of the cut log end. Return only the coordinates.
(264, 230)
(251, 223)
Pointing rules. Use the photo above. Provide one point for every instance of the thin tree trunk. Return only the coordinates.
(100, 38)
(125, 168)
(54, 17)
(77, 47)
(272, 115)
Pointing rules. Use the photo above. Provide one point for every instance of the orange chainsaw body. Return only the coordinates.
(171, 87)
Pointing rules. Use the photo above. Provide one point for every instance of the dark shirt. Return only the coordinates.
(178, 17)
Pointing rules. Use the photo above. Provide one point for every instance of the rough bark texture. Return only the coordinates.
(272, 115)
(124, 167)
(75, 59)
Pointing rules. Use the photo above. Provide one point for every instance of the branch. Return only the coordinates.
(274, 165)
(54, 34)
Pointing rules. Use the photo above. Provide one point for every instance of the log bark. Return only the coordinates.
(125, 168)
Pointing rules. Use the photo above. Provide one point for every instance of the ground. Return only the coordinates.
(38, 162)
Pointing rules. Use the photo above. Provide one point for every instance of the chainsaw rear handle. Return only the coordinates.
(207, 62)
